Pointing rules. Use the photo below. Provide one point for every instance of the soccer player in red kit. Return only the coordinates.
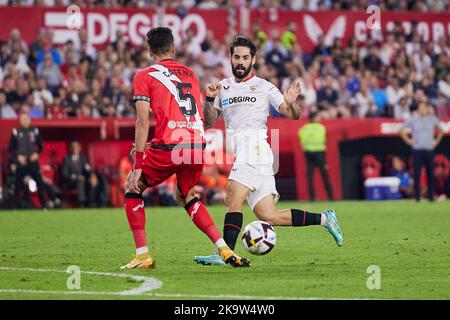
(172, 92)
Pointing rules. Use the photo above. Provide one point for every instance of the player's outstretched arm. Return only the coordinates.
(210, 112)
(289, 108)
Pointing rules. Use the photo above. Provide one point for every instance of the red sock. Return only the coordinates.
(201, 218)
(134, 207)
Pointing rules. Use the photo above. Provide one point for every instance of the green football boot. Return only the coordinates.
(212, 260)
(332, 227)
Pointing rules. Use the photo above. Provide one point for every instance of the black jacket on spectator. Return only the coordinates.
(25, 141)
(73, 166)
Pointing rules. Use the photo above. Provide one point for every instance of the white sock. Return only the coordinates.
(323, 219)
(141, 250)
(220, 243)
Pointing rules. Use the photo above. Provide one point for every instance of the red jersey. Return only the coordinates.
(173, 91)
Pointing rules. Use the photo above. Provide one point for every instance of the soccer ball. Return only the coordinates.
(259, 237)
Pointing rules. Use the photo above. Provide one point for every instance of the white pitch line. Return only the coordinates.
(149, 285)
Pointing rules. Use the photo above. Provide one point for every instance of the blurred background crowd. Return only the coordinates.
(350, 79)
(311, 5)
(374, 79)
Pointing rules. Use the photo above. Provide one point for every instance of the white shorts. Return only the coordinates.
(261, 185)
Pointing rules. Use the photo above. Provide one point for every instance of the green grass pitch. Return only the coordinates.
(408, 241)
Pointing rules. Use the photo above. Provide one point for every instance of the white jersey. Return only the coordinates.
(245, 108)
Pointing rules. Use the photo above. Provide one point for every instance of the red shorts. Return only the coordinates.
(159, 165)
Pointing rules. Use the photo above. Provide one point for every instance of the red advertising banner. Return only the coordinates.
(345, 25)
(102, 24)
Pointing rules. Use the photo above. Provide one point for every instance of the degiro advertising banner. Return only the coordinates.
(101, 25)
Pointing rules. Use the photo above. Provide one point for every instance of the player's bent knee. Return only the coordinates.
(182, 201)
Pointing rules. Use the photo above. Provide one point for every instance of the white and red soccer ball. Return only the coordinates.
(259, 238)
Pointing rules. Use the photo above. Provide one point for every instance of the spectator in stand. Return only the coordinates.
(18, 62)
(277, 56)
(372, 60)
(353, 82)
(78, 175)
(55, 110)
(394, 92)
(4, 53)
(422, 60)
(10, 89)
(402, 110)
(36, 45)
(259, 36)
(23, 90)
(388, 49)
(35, 111)
(429, 86)
(50, 71)
(365, 104)
(442, 47)
(345, 102)
(42, 96)
(444, 87)
(6, 111)
(72, 77)
(15, 37)
(308, 92)
(48, 49)
(289, 38)
(194, 47)
(327, 98)
(215, 55)
(321, 49)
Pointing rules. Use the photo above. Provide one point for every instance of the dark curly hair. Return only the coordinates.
(241, 41)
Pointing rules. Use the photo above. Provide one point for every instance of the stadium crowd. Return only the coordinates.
(359, 80)
(311, 5)
(74, 80)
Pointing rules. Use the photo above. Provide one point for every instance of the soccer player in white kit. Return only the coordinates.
(244, 102)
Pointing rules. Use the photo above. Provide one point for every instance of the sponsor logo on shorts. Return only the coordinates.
(172, 124)
(185, 124)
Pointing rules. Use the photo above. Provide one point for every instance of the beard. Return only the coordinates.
(240, 71)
